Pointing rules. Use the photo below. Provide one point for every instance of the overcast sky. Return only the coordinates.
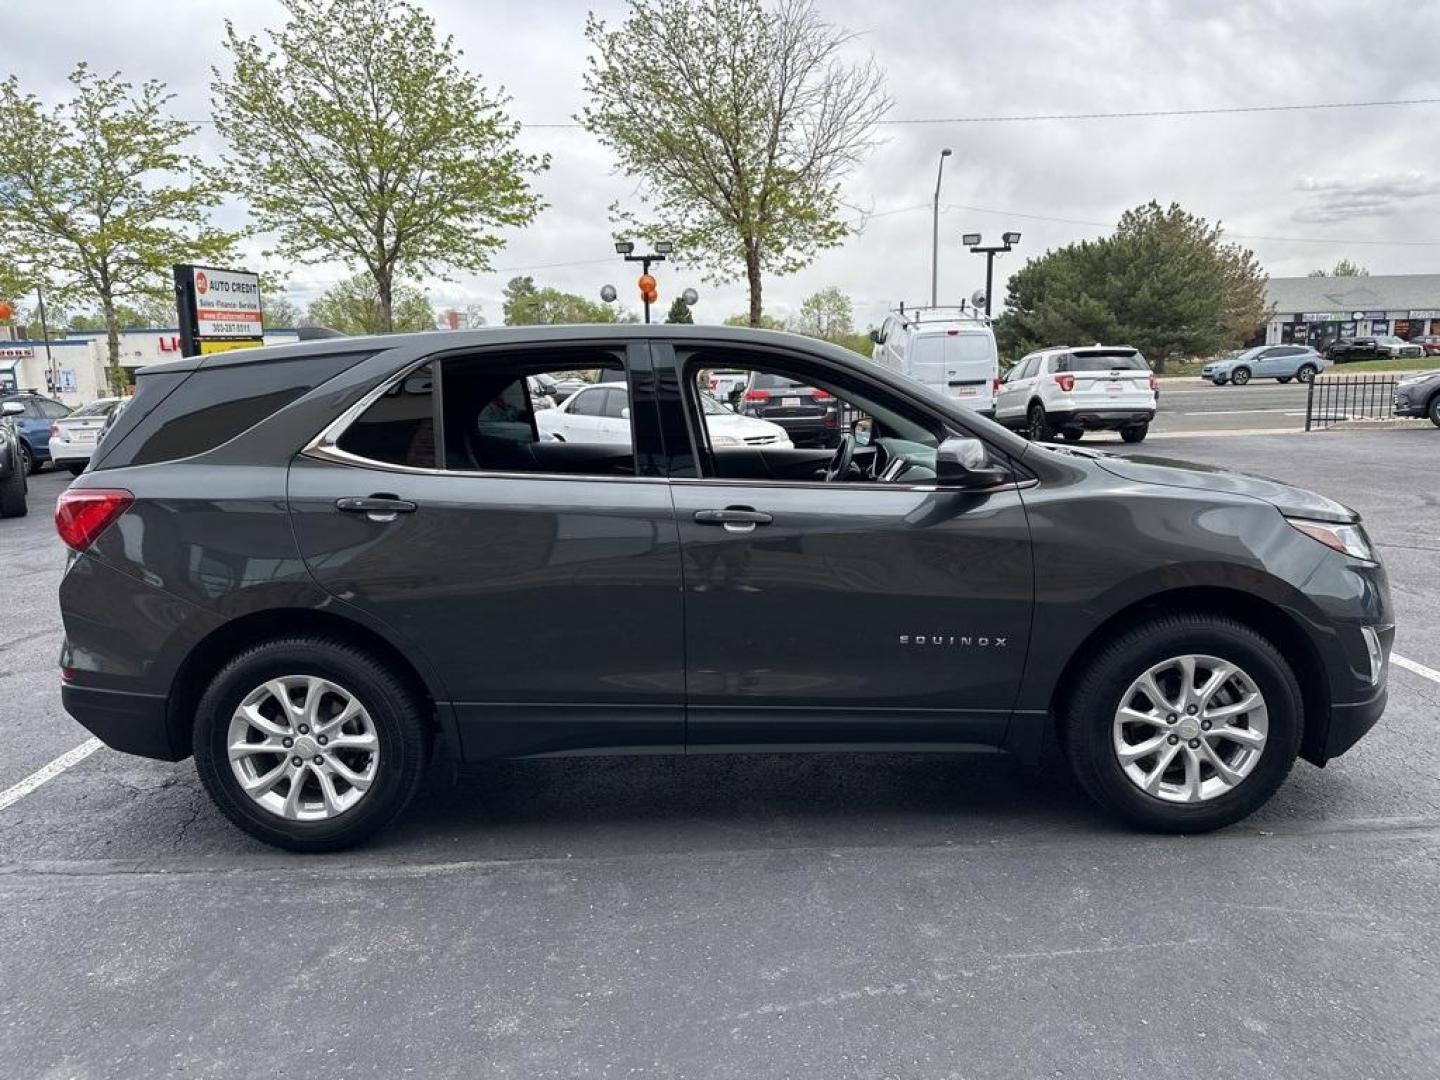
(1341, 176)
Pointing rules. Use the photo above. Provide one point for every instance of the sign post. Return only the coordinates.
(219, 309)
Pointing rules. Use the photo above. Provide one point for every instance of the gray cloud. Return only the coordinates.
(1345, 198)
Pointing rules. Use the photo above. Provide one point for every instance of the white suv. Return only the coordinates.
(1075, 390)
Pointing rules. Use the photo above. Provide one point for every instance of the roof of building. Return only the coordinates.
(1393, 292)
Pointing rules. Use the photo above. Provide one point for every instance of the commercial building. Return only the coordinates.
(73, 369)
(1317, 310)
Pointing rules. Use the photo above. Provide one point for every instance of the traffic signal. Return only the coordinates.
(648, 293)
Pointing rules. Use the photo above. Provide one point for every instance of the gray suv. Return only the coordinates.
(307, 566)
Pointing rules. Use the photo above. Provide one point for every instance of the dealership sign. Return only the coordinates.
(219, 309)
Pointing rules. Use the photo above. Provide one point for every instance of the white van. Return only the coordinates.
(945, 350)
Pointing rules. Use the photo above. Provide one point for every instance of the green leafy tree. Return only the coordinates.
(679, 312)
(356, 135)
(1165, 282)
(97, 199)
(827, 314)
(148, 313)
(353, 306)
(739, 120)
(767, 322)
(279, 312)
(527, 305)
(1343, 268)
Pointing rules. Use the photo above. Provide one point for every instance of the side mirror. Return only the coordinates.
(863, 430)
(876, 337)
(11, 408)
(625, 413)
(965, 463)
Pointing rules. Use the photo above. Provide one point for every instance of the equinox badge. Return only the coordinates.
(967, 641)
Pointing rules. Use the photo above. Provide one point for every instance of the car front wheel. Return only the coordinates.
(1185, 723)
(1283, 378)
(27, 459)
(310, 744)
(1434, 410)
(1240, 376)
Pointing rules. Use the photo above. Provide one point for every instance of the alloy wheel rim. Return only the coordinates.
(303, 748)
(1037, 425)
(1190, 729)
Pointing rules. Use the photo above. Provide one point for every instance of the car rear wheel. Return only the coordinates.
(1073, 434)
(1037, 424)
(1135, 433)
(27, 458)
(1184, 724)
(1434, 409)
(310, 744)
(1240, 376)
(12, 495)
(75, 467)
(1306, 373)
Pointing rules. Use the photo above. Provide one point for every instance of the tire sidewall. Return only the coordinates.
(1091, 737)
(398, 726)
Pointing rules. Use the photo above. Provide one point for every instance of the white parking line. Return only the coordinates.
(1415, 667)
(46, 773)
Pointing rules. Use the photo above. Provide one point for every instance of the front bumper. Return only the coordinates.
(1406, 404)
(123, 720)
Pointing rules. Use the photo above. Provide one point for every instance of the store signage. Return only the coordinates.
(1324, 316)
(16, 352)
(219, 309)
(1357, 315)
(1426, 313)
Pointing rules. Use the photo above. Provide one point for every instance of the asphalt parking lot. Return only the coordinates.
(881, 916)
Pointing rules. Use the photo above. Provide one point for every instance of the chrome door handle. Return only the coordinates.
(380, 508)
(735, 519)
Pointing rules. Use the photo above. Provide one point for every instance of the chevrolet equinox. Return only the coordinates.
(308, 565)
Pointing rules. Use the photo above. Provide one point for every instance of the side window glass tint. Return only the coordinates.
(399, 428)
(495, 422)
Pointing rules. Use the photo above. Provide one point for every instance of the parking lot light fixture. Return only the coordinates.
(1011, 238)
(971, 239)
(664, 247)
(648, 293)
(973, 242)
(624, 247)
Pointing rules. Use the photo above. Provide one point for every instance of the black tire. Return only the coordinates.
(1240, 376)
(12, 495)
(1219, 380)
(76, 467)
(1283, 378)
(397, 712)
(1090, 715)
(1037, 424)
(1307, 373)
(1434, 409)
(27, 458)
(1073, 434)
(1135, 433)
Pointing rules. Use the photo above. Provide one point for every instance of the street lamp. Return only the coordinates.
(648, 292)
(935, 232)
(973, 242)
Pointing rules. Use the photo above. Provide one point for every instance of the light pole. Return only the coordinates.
(648, 293)
(935, 233)
(972, 241)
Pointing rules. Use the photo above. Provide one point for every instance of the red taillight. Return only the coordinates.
(822, 395)
(1154, 383)
(757, 395)
(54, 430)
(83, 514)
(1067, 382)
(994, 386)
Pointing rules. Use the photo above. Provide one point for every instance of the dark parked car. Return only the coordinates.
(14, 466)
(809, 415)
(1419, 395)
(1346, 350)
(33, 424)
(306, 564)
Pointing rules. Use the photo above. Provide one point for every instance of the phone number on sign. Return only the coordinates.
(238, 328)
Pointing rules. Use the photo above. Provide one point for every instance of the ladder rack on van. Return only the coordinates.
(941, 313)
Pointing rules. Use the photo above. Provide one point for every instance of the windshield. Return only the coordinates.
(97, 408)
(1116, 361)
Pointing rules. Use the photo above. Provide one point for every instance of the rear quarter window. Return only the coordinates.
(213, 405)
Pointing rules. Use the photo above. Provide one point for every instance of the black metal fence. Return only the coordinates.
(1335, 398)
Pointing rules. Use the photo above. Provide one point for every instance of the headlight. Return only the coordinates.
(1346, 539)
(725, 440)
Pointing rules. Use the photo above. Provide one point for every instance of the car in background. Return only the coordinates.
(1282, 362)
(808, 415)
(564, 388)
(14, 466)
(542, 392)
(33, 425)
(1419, 395)
(1074, 390)
(954, 355)
(1429, 342)
(727, 386)
(73, 438)
(598, 413)
(1397, 347)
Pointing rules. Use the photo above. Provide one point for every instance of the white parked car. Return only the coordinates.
(1075, 390)
(951, 354)
(73, 437)
(601, 414)
(1398, 347)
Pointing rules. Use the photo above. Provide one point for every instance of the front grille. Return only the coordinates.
(761, 440)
